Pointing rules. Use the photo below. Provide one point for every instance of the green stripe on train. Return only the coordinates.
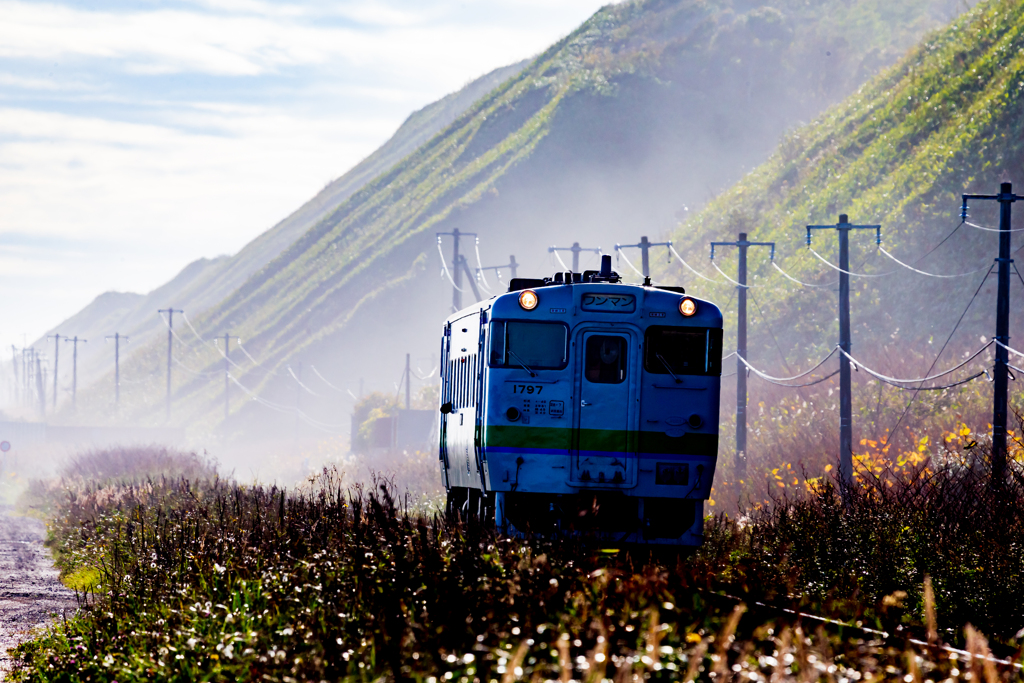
(516, 436)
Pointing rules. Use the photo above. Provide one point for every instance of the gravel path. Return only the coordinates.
(30, 593)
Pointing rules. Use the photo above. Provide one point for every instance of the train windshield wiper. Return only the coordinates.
(668, 368)
(520, 361)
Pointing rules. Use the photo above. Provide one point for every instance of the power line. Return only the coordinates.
(847, 272)
(921, 272)
(939, 354)
(765, 376)
(790, 277)
(689, 267)
(897, 382)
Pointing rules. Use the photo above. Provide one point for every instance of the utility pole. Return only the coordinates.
(458, 266)
(74, 368)
(227, 352)
(511, 265)
(170, 339)
(408, 383)
(575, 249)
(117, 337)
(741, 344)
(39, 385)
(56, 360)
(17, 376)
(1001, 372)
(645, 246)
(843, 229)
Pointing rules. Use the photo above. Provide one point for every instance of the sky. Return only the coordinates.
(137, 137)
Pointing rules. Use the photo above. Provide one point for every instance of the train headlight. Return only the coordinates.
(687, 307)
(529, 300)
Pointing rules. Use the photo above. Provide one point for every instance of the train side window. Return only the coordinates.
(605, 360)
(537, 345)
(683, 351)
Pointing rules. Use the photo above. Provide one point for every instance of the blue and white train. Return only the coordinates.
(582, 405)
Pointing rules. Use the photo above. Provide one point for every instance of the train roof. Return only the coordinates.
(662, 296)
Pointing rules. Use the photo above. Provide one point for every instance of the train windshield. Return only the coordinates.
(683, 351)
(536, 345)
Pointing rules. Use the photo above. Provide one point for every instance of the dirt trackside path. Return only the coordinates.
(29, 589)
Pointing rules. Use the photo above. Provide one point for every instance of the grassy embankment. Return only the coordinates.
(196, 577)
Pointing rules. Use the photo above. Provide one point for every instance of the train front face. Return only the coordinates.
(601, 411)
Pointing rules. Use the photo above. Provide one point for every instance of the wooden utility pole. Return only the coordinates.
(117, 337)
(843, 229)
(170, 339)
(741, 344)
(1000, 372)
(74, 368)
(459, 265)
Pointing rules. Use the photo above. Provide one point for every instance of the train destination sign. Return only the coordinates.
(609, 303)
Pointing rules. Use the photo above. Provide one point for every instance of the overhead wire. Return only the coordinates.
(1008, 348)
(764, 319)
(939, 354)
(689, 267)
(559, 257)
(480, 269)
(909, 267)
(299, 382)
(802, 284)
(763, 375)
(715, 266)
(835, 267)
(444, 265)
(896, 381)
(629, 263)
(981, 227)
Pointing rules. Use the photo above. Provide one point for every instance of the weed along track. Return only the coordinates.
(30, 591)
(200, 578)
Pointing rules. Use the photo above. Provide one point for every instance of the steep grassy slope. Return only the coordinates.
(900, 151)
(648, 108)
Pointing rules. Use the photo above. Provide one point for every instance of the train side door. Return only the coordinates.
(604, 453)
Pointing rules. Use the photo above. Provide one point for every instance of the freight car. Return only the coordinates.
(578, 404)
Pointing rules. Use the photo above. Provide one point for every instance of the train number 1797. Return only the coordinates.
(527, 388)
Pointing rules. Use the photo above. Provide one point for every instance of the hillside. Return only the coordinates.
(205, 282)
(900, 152)
(647, 109)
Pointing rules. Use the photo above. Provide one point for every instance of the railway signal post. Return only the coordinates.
(1001, 373)
(843, 228)
(117, 337)
(74, 368)
(741, 344)
(170, 339)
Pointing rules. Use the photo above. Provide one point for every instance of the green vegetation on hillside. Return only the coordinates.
(900, 151)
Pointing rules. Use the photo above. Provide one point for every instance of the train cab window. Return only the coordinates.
(683, 351)
(535, 345)
(605, 361)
